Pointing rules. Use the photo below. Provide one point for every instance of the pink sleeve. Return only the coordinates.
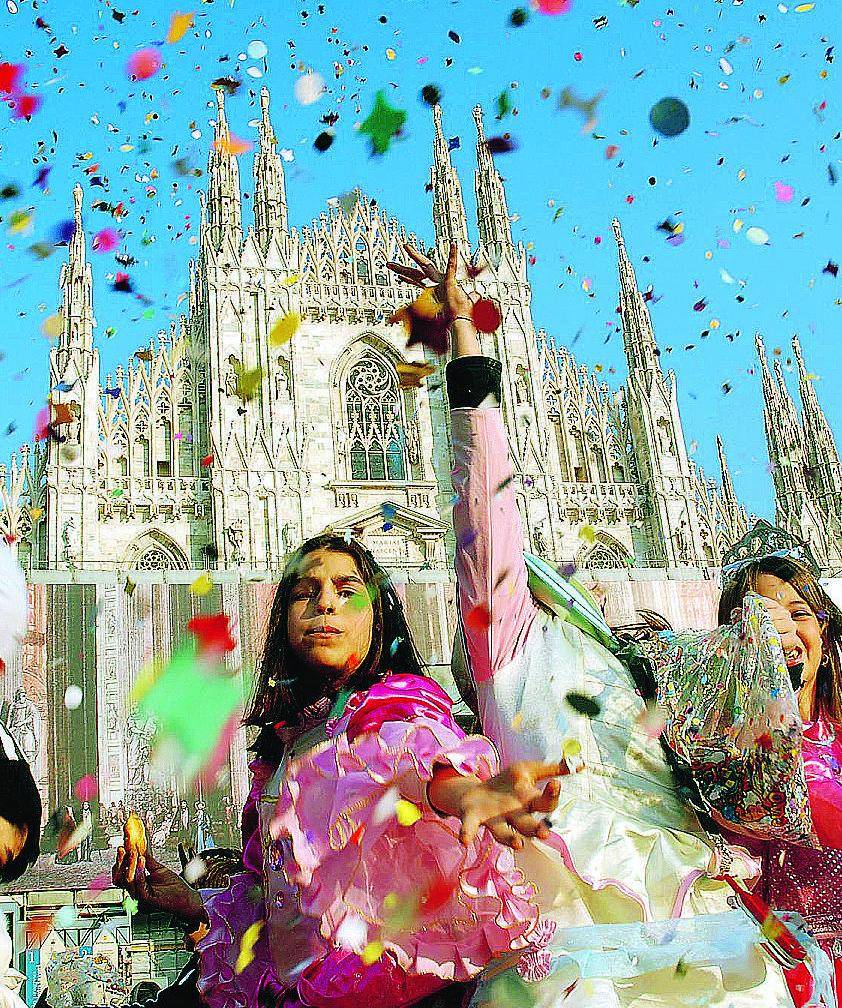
(363, 846)
(822, 763)
(400, 697)
(496, 608)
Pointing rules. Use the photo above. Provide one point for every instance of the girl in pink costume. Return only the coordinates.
(802, 878)
(361, 885)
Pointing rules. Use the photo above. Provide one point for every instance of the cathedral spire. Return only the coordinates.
(823, 467)
(449, 218)
(495, 233)
(729, 498)
(270, 198)
(770, 393)
(77, 287)
(638, 336)
(224, 206)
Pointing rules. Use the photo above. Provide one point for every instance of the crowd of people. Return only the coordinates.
(639, 818)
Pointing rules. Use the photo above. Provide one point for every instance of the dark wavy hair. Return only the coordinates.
(283, 690)
(20, 804)
(828, 698)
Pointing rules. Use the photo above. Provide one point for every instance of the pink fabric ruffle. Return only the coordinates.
(441, 910)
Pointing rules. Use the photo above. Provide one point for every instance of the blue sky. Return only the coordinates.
(762, 116)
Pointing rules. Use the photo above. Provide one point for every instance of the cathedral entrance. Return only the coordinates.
(72, 697)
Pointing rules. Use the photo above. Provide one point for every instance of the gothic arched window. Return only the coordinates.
(374, 419)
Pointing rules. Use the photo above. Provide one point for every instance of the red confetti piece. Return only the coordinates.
(213, 634)
(26, 105)
(42, 424)
(554, 6)
(144, 63)
(10, 74)
(86, 788)
(207, 460)
(479, 618)
(106, 240)
(486, 315)
(437, 895)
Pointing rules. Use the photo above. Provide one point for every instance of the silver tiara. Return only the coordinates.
(760, 542)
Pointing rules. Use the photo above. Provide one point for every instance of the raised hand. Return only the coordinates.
(447, 291)
(446, 288)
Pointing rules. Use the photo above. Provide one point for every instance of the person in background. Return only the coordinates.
(768, 563)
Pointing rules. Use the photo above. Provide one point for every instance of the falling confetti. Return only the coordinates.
(553, 6)
(247, 943)
(757, 236)
(478, 618)
(213, 634)
(309, 88)
(180, 24)
(412, 373)
(383, 124)
(73, 697)
(486, 315)
(232, 145)
(407, 813)
(284, 329)
(669, 117)
(202, 585)
(144, 63)
(372, 952)
(582, 704)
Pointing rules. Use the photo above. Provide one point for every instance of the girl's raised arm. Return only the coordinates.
(496, 608)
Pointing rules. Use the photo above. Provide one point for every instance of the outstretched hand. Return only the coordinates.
(512, 805)
(447, 290)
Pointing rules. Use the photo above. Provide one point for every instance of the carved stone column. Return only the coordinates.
(112, 691)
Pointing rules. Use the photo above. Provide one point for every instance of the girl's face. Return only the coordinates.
(807, 624)
(330, 616)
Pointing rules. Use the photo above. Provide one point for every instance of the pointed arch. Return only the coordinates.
(605, 552)
(155, 550)
(371, 412)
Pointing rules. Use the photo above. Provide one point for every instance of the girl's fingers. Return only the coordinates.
(470, 827)
(142, 891)
(547, 801)
(429, 268)
(525, 824)
(450, 272)
(505, 834)
(412, 276)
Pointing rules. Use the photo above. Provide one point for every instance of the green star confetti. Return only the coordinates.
(383, 123)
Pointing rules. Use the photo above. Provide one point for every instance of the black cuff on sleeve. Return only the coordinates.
(470, 380)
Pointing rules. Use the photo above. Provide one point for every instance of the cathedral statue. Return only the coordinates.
(235, 535)
(24, 724)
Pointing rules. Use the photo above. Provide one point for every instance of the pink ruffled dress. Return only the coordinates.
(355, 891)
(810, 881)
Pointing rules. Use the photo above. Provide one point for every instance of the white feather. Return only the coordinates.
(14, 604)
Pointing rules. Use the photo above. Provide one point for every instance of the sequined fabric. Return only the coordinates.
(810, 881)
